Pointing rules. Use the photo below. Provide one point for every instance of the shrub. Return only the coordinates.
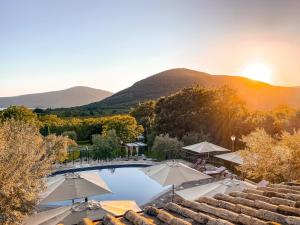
(166, 146)
(71, 134)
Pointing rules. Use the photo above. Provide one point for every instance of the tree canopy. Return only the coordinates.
(145, 113)
(214, 113)
(166, 147)
(19, 113)
(198, 114)
(25, 159)
(272, 159)
(126, 127)
(106, 146)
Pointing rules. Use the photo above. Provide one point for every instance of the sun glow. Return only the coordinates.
(258, 72)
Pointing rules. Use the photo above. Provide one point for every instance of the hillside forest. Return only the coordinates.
(190, 115)
(197, 114)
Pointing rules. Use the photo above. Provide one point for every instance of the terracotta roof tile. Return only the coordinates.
(275, 204)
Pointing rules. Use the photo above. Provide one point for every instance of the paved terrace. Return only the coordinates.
(275, 204)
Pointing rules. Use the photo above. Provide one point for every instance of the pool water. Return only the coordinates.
(126, 184)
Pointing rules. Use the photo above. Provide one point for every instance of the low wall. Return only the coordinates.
(98, 167)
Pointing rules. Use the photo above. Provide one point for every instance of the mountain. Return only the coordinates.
(258, 95)
(75, 96)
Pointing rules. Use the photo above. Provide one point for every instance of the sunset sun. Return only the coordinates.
(258, 72)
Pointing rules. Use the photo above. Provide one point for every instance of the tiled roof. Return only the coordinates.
(275, 204)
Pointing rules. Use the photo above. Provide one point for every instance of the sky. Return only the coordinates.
(56, 44)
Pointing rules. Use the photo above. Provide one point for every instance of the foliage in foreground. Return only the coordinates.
(25, 159)
(272, 159)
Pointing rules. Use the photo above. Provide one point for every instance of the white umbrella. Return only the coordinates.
(172, 173)
(234, 157)
(205, 147)
(49, 217)
(74, 185)
(73, 214)
(210, 190)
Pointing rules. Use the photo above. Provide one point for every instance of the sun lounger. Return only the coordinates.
(216, 171)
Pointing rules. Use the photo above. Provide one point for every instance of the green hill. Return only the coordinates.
(258, 95)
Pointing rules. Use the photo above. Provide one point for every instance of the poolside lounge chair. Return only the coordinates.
(200, 164)
(217, 171)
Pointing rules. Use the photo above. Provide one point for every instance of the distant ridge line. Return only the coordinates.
(71, 97)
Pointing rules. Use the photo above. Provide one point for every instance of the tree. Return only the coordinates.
(113, 139)
(229, 117)
(193, 137)
(165, 147)
(96, 138)
(292, 142)
(23, 165)
(19, 113)
(144, 113)
(101, 148)
(218, 113)
(51, 120)
(126, 127)
(38, 111)
(106, 146)
(272, 159)
(189, 110)
(57, 146)
(25, 160)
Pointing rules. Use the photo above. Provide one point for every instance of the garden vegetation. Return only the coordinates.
(26, 158)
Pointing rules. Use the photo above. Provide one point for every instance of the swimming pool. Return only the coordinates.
(127, 183)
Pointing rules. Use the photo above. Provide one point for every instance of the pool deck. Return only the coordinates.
(95, 165)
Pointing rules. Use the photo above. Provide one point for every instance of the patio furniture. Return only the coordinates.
(217, 171)
(74, 185)
(173, 173)
(209, 190)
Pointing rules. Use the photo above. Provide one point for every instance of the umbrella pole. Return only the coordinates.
(173, 192)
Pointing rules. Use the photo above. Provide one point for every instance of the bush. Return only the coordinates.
(106, 146)
(70, 134)
(166, 146)
(73, 153)
(96, 138)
